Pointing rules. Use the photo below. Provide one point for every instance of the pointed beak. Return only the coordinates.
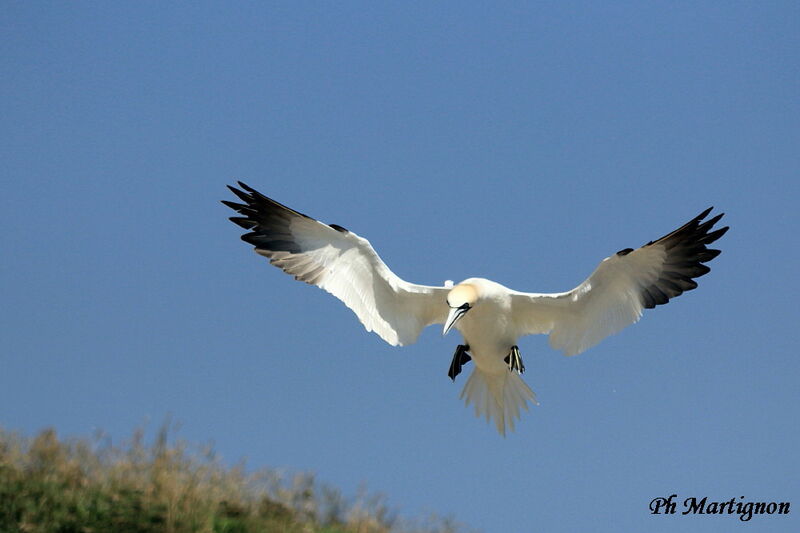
(452, 318)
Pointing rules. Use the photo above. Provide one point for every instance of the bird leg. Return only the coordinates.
(514, 360)
(461, 357)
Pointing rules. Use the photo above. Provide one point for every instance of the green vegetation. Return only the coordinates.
(49, 485)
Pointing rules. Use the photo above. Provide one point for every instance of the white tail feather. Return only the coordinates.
(497, 397)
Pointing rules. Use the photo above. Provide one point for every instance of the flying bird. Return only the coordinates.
(490, 317)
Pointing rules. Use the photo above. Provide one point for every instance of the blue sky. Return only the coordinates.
(522, 142)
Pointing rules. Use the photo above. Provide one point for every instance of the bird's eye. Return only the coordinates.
(464, 307)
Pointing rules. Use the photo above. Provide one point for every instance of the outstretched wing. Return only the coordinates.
(342, 263)
(621, 287)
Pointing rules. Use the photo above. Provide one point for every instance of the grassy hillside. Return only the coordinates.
(88, 486)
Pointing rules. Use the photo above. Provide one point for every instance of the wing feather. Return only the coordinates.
(621, 287)
(340, 262)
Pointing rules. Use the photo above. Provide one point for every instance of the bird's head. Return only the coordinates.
(460, 299)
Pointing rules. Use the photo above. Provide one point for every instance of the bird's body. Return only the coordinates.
(490, 332)
(489, 328)
(490, 317)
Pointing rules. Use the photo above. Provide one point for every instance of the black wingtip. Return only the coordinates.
(686, 252)
(243, 196)
(340, 229)
(233, 205)
(713, 220)
(714, 235)
(246, 193)
(244, 222)
(704, 214)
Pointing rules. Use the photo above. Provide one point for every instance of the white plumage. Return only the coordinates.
(490, 316)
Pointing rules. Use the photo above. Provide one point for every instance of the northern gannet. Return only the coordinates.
(490, 317)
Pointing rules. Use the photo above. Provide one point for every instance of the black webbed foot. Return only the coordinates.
(461, 357)
(514, 360)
